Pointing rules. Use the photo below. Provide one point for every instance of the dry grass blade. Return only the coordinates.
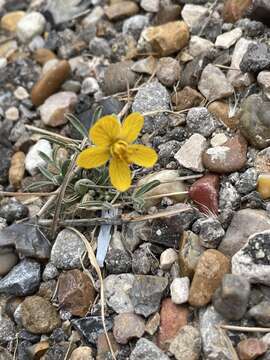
(230, 345)
(245, 328)
(93, 261)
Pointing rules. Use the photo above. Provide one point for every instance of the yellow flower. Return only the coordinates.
(113, 142)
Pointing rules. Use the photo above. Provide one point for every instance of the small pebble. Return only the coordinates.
(167, 258)
(30, 25)
(12, 114)
(180, 290)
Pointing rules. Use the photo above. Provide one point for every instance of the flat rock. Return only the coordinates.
(213, 84)
(244, 223)
(237, 78)
(187, 344)
(150, 97)
(256, 58)
(75, 292)
(205, 192)
(227, 39)
(190, 250)
(91, 328)
(193, 15)
(172, 319)
(128, 326)
(30, 25)
(168, 71)
(190, 154)
(67, 250)
(214, 346)
(235, 9)
(168, 38)
(199, 45)
(22, 280)
(10, 20)
(251, 348)
(231, 298)
(146, 293)
(50, 82)
(229, 157)
(33, 159)
(145, 66)
(117, 292)
(180, 290)
(253, 260)
(211, 267)
(147, 350)
(54, 109)
(187, 98)
(200, 121)
(118, 76)
(254, 121)
(38, 316)
(121, 10)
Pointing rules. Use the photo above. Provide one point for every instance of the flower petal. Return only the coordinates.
(120, 174)
(141, 155)
(105, 131)
(131, 127)
(93, 157)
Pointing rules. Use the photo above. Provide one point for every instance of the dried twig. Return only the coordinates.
(93, 261)
(245, 328)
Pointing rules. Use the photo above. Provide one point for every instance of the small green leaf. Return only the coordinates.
(46, 158)
(145, 188)
(75, 122)
(46, 173)
(83, 185)
(37, 185)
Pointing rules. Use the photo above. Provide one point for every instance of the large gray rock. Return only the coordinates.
(254, 121)
(213, 341)
(199, 120)
(22, 280)
(147, 350)
(244, 223)
(152, 97)
(117, 292)
(146, 293)
(67, 250)
(253, 260)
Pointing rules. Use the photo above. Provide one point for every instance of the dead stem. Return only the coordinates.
(50, 133)
(245, 328)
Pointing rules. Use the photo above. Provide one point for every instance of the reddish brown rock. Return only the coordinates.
(221, 110)
(121, 10)
(172, 318)
(75, 292)
(43, 55)
(227, 158)
(204, 192)
(168, 38)
(103, 350)
(235, 9)
(50, 82)
(186, 98)
(211, 267)
(251, 348)
(128, 326)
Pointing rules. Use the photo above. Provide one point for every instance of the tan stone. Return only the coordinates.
(168, 38)
(38, 350)
(186, 98)
(235, 9)
(17, 169)
(10, 20)
(103, 350)
(211, 268)
(8, 48)
(50, 82)
(172, 318)
(121, 10)
(38, 315)
(221, 110)
(75, 292)
(43, 55)
(263, 186)
(251, 349)
(82, 353)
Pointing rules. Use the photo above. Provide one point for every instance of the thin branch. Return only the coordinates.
(14, 194)
(245, 328)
